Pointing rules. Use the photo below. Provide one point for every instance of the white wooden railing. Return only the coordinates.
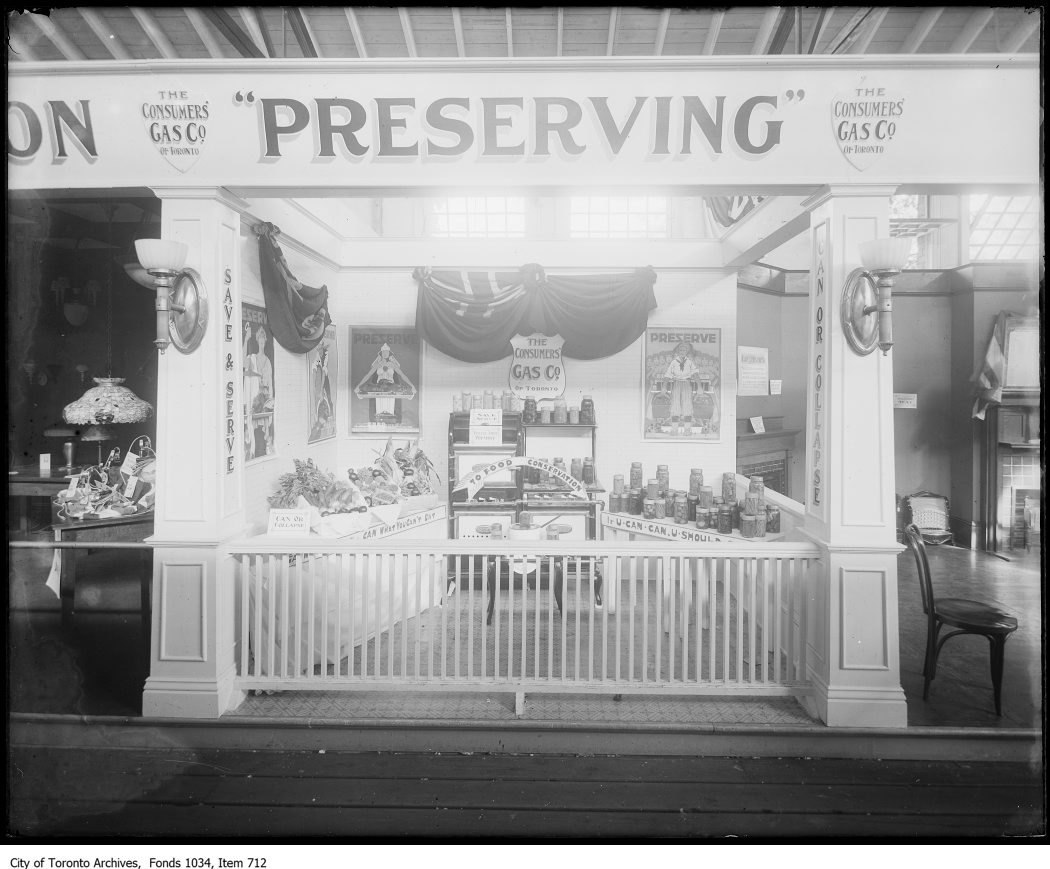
(634, 617)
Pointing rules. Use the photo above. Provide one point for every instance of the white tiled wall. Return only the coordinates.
(371, 297)
(291, 426)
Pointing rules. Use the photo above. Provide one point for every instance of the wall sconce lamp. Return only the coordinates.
(182, 309)
(867, 297)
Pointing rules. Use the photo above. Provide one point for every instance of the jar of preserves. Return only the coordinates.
(669, 497)
(528, 413)
(636, 475)
(457, 403)
(681, 509)
(659, 509)
(729, 487)
(725, 519)
(748, 525)
(693, 502)
(574, 415)
(615, 503)
(737, 513)
(701, 517)
(649, 508)
(545, 417)
(587, 411)
(636, 502)
(652, 489)
(696, 480)
(752, 503)
(576, 469)
(618, 483)
(706, 496)
(757, 486)
(589, 477)
(561, 413)
(664, 477)
(760, 524)
(772, 519)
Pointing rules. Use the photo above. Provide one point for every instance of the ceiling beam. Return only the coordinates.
(821, 24)
(845, 31)
(260, 35)
(773, 222)
(1029, 25)
(976, 23)
(406, 28)
(20, 47)
(229, 28)
(921, 30)
(611, 40)
(301, 30)
(510, 35)
(765, 30)
(661, 32)
(457, 23)
(200, 24)
(355, 31)
(155, 32)
(713, 27)
(57, 37)
(783, 31)
(561, 30)
(867, 32)
(113, 43)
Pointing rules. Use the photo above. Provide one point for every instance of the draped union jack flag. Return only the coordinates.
(472, 315)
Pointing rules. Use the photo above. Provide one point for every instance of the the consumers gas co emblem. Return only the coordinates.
(176, 121)
(866, 120)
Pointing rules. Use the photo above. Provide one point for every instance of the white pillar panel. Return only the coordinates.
(199, 475)
(199, 490)
(853, 626)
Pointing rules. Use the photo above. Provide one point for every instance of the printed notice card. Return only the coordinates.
(289, 522)
(752, 370)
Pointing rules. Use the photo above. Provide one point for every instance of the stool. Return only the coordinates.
(529, 569)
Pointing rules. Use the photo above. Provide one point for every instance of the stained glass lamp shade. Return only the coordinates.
(108, 402)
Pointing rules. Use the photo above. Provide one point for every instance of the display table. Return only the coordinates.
(122, 529)
(28, 481)
(623, 526)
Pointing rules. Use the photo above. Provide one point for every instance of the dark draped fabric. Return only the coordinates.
(472, 315)
(297, 314)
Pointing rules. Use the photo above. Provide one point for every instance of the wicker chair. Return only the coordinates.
(929, 513)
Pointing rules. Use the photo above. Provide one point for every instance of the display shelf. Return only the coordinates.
(542, 425)
(633, 524)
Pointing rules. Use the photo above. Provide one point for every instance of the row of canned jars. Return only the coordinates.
(685, 509)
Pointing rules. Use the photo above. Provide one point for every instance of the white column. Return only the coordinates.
(850, 504)
(199, 473)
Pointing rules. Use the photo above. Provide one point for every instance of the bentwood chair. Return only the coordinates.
(966, 616)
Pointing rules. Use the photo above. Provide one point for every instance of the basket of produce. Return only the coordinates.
(400, 481)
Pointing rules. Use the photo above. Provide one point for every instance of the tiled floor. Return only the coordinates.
(97, 666)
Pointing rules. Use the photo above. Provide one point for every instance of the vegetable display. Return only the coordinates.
(394, 476)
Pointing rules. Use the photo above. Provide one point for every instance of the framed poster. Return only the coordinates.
(682, 384)
(258, 393)
(322, 369)
(384, 381)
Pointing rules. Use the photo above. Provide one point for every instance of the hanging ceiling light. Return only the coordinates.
(109, 401)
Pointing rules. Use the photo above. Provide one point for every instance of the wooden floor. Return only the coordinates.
(172, 792)
(134, 782)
